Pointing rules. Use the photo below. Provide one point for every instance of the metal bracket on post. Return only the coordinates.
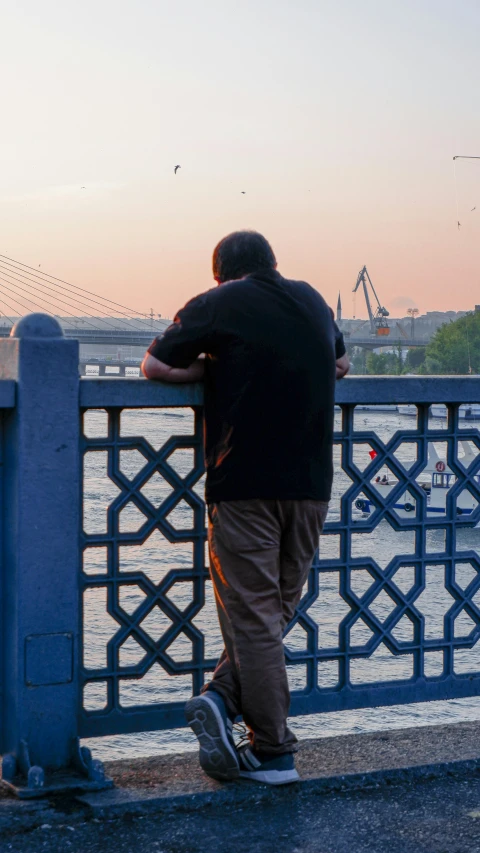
(19, 768)
(84, 774)
(40, 566)
(90, 767)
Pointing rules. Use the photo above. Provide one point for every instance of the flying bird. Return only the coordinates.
(175, 169)
(473, 208)
(243, 192)
(459, 225)
(83, 188)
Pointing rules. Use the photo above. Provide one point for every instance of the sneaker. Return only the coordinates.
(207, 717)
(270, 769)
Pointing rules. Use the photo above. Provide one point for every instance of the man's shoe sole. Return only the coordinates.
(271, 777)
(217, 755)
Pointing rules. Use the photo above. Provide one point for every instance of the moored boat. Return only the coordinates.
(436, 479)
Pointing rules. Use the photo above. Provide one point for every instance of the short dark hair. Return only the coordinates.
(241, 253)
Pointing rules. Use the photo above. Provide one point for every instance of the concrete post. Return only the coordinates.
(40, 567)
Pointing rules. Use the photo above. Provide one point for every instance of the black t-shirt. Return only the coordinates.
(271, 346)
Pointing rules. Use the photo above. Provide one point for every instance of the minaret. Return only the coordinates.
(339, 308)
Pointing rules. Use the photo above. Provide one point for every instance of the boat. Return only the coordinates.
(380, 407)
(471, 411)
(436, 479)
(407, 409)
(467, 412)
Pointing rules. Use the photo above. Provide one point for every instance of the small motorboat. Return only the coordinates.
(436, 479)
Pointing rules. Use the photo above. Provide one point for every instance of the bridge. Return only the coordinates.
(109, 617)
(144, 337)
(124, 337)
(84, 316)
(104, 322)
(372, 343)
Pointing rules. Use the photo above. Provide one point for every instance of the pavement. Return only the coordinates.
(403, 790)
(440, 816)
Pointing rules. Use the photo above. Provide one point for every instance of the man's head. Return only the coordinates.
(241, 253)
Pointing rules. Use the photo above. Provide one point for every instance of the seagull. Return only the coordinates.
(175, 169)
(83, 188)
(473, 208)
(459, 225)
(243, 192)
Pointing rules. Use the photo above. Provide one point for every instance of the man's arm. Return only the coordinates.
(342, 366)
(177, 355)
(152, 368)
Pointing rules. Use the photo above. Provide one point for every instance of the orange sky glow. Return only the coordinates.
(339, 120)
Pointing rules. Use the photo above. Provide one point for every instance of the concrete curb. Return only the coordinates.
(332, 765)
(118, 803)
(326, 765)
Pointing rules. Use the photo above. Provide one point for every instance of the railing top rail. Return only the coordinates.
(135, 393)
(7, 393)
(409, 389)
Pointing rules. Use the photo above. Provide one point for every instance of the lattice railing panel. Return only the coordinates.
(391, 611)
(144, 572)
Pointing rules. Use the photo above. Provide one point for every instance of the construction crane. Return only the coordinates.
(378, 320)
(401, 330)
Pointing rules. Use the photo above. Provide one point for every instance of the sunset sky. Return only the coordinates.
(338, 118)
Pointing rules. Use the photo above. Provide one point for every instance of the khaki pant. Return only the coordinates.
(260, 554)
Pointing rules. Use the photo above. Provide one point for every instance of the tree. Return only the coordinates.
(455, 347)
(357, 357)
(379, 364)
(415, 359)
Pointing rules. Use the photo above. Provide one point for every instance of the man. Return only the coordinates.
(272, 353)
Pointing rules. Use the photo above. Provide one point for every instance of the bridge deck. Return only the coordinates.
(376, 343)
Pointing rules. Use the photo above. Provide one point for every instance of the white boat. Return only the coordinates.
(437, 478)
(467, 412)
(407, 409)
(381, 407)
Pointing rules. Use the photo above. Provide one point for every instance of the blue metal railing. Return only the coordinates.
(390, 613)
(305, 653)
(131, 493)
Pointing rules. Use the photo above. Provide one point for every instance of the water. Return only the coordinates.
(156, 557)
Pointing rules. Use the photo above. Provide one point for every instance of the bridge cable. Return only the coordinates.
(72, 286)
(6, 315)
(79, 300)
(36, 304)
(49, 302)
(75, 287)
(16, 302)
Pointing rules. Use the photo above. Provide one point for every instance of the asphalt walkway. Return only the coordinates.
(404, 791)
(441, 816)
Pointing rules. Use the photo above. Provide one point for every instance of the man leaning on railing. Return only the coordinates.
(272, 352)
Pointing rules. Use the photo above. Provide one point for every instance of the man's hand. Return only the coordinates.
(343, 366)
(152, 368)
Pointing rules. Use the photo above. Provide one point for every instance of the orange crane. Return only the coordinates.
(378, 321)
